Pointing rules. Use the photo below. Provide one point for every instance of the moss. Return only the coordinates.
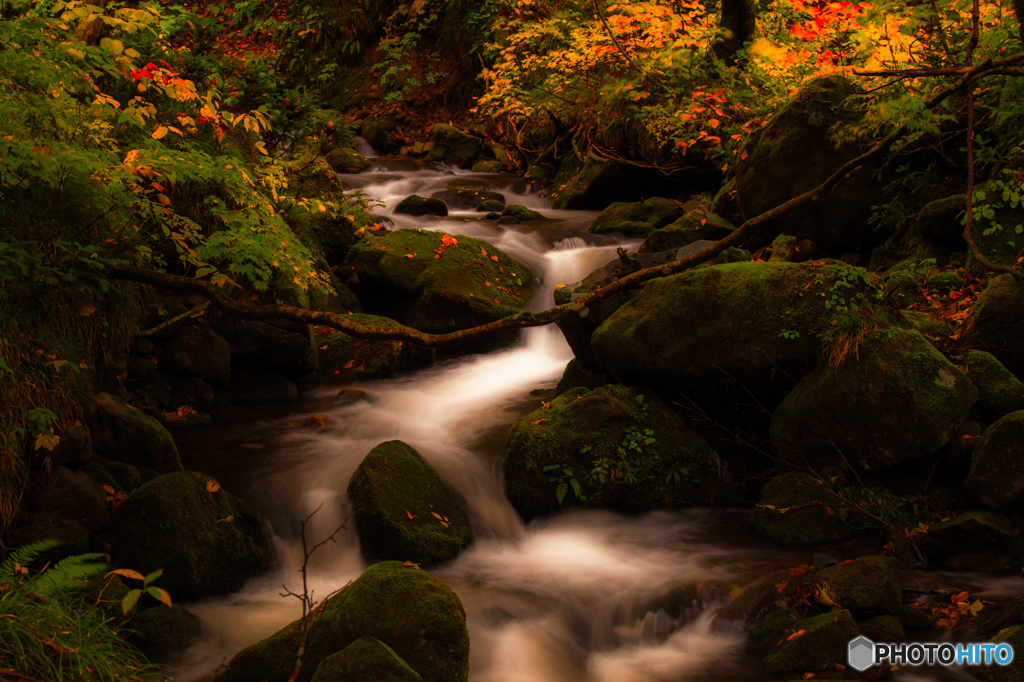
(823, 644)
(870, 584)
(997, 465)
(1014, 636)
(406, 512)
(366, 658)
(521, 213)
(453, 146)
(805, 525)
(488, 166)
(490, 206)
(574, 375)
(338, 298)
(692, 227)
(460, 198)
(999, 391)
(573, 183)
(582, 432)
(410, 610)
(913, 618)
(772, 627)
(472, 282)
(345, 160)
(901, 400)
(416, 205)
(205, 542)
(997, 320)
(883, 629)
(636, 219)
(346, 358)
(928, 325)
(124, 434)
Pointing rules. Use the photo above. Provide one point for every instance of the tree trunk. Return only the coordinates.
(737, 26)
(1018, 9)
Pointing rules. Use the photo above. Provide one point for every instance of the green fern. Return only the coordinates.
(66, 573)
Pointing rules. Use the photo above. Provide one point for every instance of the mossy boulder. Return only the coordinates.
(61, 493)
(724, 318)
(453, 146)
(939, 221)
(574, 375)
(367, 658)
(927, 325)
(869, 585)
(335, 297)
(1014, 672)
(380, 134)
(999, 391)
(997, 465)
(490, 206)
(974, 538)
(822, 645)
(794, 153)
(593, 184)
(347, 160)
(410, 610)
(900, 400)
(159, 632)
(402, 279)
(488, 166)
(347, 358)
(806, 520)
(636, 219)
(693, 227)
(1008, 615)
(415, 205)
(997, 320)
(751, 605)
(197, 352)
(614, 448)
(405, 511)
(465, 198)
(520, 213)
(913, 618)
(206, 540)
(771, 628)
(883, 629)
(125, 434)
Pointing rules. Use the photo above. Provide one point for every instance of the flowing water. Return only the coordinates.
(573, 598)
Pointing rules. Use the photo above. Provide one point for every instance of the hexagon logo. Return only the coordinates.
(861, 653)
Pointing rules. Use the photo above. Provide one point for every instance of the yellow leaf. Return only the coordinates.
(128, 573)
(212, 486)
(160, 132)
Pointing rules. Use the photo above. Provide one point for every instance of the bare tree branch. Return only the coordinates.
(523, 320)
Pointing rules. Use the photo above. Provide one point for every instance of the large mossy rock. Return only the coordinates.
(593, 184)
(900, 400)
(997, 320)
(793, 153)
(452, 146)
(346, 160)
(692, 227)
(725, 318)
(206, 540)
(999, 391)
(939, 221)
(124, 434)
(410, 610)
(346, 358)
(520, 213)
(636, 219)
(997, 465)
(822, 645)
(806, 520)
(197, 352)
(415, 205)
(613, 448)
(401, 278)
(465, 198)
(973, 540)
(367, 658)
(869, 585)
(1014, 672)
(405, 511)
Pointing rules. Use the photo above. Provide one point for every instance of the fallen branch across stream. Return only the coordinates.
(246, 311)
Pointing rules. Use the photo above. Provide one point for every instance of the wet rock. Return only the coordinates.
(492, 216)
(939, 221)
(336, 298)
(1010, 614)
(367, 658)
(416, 205)
(380, 133)
(870, 584)
(464, 198)
(488, 166)
(794, 153)
(823, 644)
(821, 560)
(453, 146)
(574, 375)
(507, 220)
(883, 629)
(406, 512)
(345, 160)
(608, 448)
(913, 618)
(997, 465)
(973, 532)
(771, 628)
(999, 391)
(74, 447)
(751, 605)
(593, 185)
(1014, 672)
(783, 249)
(206, 541)
(160, 632)
(997, 320)
(346, 358)
(901, 400)
(520, 213)
(347, 396)
(462, 288)
(271, 346)
(491, 206)
(171, 391)
(124, 434)
(410, 610)
(253, 387)
(636, 219)
(693, 227)
(807, 520)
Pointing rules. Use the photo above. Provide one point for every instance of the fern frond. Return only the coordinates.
(26, 555)
(68, 572)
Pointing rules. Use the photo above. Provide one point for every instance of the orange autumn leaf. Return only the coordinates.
(494, 258)
(349, 364)
(409, 255)
(795, 634)
(483, 250)
(411, 515)
(540, 421)
(449, 240)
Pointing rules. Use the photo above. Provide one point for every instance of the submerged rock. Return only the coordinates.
(520, 213)
(410, 610)
(416, 205)
(206, 540)
(406, 511)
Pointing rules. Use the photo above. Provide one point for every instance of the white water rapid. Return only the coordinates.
(564, 600)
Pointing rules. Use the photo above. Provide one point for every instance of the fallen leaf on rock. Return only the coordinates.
(212, 485)
(410, 514)
(540, 421)
(412, 565)
(796, 634)
(349, 364)
(409, 255)
(494, 258)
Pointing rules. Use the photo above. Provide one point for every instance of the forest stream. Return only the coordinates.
(563, 599)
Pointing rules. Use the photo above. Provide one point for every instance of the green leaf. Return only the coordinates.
(130, 599)
(3, 366)
(159, 594)
(153, 576)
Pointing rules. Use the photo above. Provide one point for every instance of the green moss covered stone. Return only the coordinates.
(367, 658)
(636, 219)
(347, 358)
(822, 645)
(997, 466)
